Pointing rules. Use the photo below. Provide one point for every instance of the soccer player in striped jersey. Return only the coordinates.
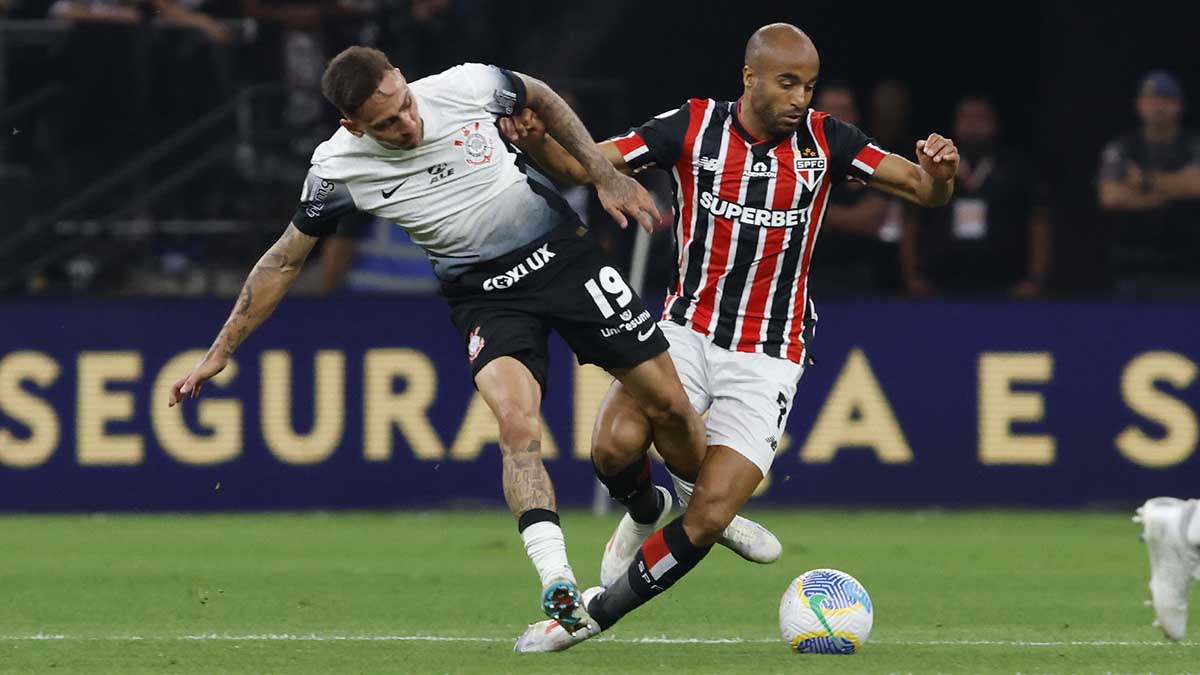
(751, 181)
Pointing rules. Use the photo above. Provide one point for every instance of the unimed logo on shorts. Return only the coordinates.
(532, 263)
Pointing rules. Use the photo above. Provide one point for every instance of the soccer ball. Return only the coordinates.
(825, 612)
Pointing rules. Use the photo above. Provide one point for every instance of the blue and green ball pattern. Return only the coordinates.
(826, 611)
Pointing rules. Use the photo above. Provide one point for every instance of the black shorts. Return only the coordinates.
(561, 282)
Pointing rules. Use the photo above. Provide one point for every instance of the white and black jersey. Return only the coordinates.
(461, 194)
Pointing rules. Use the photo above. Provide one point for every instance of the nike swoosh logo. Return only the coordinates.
(814, 603)
(387, 194)
(646, 336)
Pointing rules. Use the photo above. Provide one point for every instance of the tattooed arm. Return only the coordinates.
(270, 279)
(527, 131)
(619, 194)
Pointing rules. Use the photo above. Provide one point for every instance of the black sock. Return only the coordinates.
(663, 559)
(633, 488)
(536, 516)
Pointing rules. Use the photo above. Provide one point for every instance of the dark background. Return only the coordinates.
(1063, 76)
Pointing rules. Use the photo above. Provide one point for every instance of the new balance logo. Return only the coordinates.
(532, 263)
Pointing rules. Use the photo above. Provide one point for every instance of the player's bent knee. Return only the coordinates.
(613, 453)
(619, 441)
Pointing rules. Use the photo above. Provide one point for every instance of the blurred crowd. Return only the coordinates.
(996, 236)
(160, 70)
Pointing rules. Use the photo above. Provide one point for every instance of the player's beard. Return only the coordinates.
(772, 121)
(785, 127)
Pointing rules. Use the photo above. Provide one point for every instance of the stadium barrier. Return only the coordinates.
(367, 403)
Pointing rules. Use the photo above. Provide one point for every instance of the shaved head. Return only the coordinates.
(775, 40)
(778, 78)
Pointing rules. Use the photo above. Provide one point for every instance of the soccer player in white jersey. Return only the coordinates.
(513, 260)
(1171, 532)
(751, 180)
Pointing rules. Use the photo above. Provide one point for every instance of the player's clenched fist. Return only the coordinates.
(938, 156)
(523, 125)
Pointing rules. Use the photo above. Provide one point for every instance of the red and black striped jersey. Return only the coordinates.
(747, 214)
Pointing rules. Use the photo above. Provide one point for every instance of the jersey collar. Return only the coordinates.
(746, 135)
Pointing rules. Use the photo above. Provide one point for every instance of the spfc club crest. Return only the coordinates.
(809, 171)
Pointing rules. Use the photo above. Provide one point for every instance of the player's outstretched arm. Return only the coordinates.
(527, 131)
(621, 195)
(928, 183)
(270, 279)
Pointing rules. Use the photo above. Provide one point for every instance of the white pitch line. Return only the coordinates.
(1034, 643)
(297, 637)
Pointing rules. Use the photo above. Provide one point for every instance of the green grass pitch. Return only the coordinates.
(448, 592)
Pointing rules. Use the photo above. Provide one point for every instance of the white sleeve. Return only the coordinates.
(496, 90)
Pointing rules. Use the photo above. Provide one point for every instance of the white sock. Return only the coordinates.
(545, 546)
(1193, 532)
(683, 489)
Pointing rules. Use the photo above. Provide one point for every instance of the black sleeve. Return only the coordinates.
(852, 154)
(511, 99)
(658, 141)
(322, 203)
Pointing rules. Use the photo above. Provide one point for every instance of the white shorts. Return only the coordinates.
(747, 395)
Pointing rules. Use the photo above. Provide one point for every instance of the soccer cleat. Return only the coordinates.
(743, 536)
(549, 635)
(1174, 563)
(751, 541)
(623, 545)
(561, 602)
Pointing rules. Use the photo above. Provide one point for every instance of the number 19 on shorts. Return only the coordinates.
(614, 285)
